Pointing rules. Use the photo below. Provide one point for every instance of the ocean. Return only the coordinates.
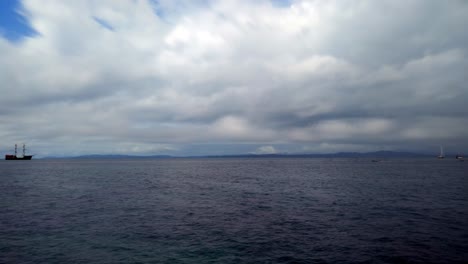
(234, 210)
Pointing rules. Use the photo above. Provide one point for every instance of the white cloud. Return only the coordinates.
(265, 150)
(171, 73)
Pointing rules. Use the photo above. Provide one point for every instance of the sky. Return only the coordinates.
(180, 77)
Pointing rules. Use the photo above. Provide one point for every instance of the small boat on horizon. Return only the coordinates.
(460, 157)
(441, 155)
(15, 157)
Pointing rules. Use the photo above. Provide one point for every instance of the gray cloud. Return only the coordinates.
(184, 78)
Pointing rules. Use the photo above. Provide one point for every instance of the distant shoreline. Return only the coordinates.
(376, 154)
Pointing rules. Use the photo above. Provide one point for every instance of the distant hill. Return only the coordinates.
(376, 154)
(113, 156)
(379, 154)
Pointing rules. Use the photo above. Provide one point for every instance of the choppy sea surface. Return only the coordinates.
(230, 210)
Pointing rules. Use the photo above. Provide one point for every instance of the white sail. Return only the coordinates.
(441, 155)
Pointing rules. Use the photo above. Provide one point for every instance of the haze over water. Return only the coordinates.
(275, 210)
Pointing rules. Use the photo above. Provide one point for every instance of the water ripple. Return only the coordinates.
(234, 211)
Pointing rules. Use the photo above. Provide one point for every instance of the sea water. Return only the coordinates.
(226, 210)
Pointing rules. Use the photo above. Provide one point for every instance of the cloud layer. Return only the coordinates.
(181, 78)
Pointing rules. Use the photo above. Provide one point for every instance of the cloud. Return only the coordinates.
(265, 150)
(165, 76)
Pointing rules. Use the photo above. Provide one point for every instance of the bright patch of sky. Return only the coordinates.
(104, 23)
(281, 3)
(13, 25)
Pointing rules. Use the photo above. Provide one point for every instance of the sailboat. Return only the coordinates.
(441, 155)
(15, 157)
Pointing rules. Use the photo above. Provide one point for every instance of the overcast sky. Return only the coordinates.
(223, 77)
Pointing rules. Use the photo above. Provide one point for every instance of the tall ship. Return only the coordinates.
(16, 157)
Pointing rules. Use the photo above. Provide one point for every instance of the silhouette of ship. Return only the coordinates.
(15, 157)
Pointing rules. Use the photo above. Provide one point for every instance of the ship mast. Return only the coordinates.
(16, 149)
(24, 150)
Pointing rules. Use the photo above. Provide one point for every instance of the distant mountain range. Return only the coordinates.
(376, 154)
(111, 156)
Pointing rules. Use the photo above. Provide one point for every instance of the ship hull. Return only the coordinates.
(13, 157)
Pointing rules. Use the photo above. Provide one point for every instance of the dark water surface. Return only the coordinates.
(234, 211)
